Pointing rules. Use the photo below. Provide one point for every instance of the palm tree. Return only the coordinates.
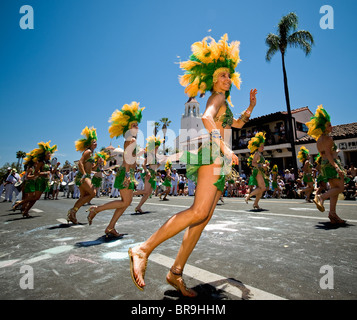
(165, 123)
(156, 127)
(20, 155)
(299, 39)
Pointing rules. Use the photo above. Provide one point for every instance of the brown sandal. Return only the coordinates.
(319, 203)
(336, 220)
(71, 217)
(112, 233)
(92, 214)
(180, 285)
(131, 256)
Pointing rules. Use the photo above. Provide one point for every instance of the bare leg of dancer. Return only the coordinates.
(337, 186)
(146, 194)
(119, 205)
(258, 192)
(87, 194)
(190, 239)
(205, 200)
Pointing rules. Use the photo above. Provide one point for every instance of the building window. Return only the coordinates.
(302, 127)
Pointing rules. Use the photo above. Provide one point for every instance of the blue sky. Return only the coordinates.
(84, 59)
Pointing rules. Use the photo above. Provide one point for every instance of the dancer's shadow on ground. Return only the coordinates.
(208, 291)
(258, 210)
(65, 225)
(20, 218)
(140, 213)
(327, 225)
(99, 241)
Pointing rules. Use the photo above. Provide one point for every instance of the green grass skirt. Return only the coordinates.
(206, 155)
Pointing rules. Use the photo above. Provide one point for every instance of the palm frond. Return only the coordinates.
(288, 22)
(272, 41)
(301, 39)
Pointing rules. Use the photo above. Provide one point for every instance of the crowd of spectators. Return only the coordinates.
(289, 184)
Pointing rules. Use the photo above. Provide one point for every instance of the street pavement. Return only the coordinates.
(287, 251)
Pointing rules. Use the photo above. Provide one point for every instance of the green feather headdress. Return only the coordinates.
(153, 142)
(303, 154)
(102, 154)
(318, 122)
(90, 135)
(168, 164)
(256, 141)
(207, 61)
(121, 120)
(39, 154)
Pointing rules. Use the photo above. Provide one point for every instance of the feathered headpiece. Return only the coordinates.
(153, 142)
(29, 160)
(318, 158)
(303, 154)
(121, 120)
(274, 169)
(168, 164)
(90, 135)
(39, 154)
(250, 160)
(256, 141)
(207, 61)
(317, 124)
(103, 155)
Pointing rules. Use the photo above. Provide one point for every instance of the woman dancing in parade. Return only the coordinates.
(331, 169)
(124, 122)
(40, 158)
(303, 157)
(83, 178)
(258, 177)
(211, 67)
(28, 187)
(100, 159)
(167, 181)
(150, 166)
(275, 185)
(321, 185)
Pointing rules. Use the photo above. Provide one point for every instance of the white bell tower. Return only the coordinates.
(191, 125)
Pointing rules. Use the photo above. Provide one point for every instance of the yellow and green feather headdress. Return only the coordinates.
(318, 158)
(207, 61)
(318, 122)
(121, 120)
(274, 169)
(256, 141)
(84, 143)
(39, 154)
(103, 155)
(153, 142)
(303, 154)
(168, 164)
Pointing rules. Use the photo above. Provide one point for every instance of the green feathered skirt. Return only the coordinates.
(120, 177)
(253, 178)
(30, 186)
(206, 155)
(152, 179)
(96, 182)
(42, 184)
(307, 178)
(167, 182)
(328, 171)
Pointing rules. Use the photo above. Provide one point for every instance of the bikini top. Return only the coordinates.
(227, 117)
